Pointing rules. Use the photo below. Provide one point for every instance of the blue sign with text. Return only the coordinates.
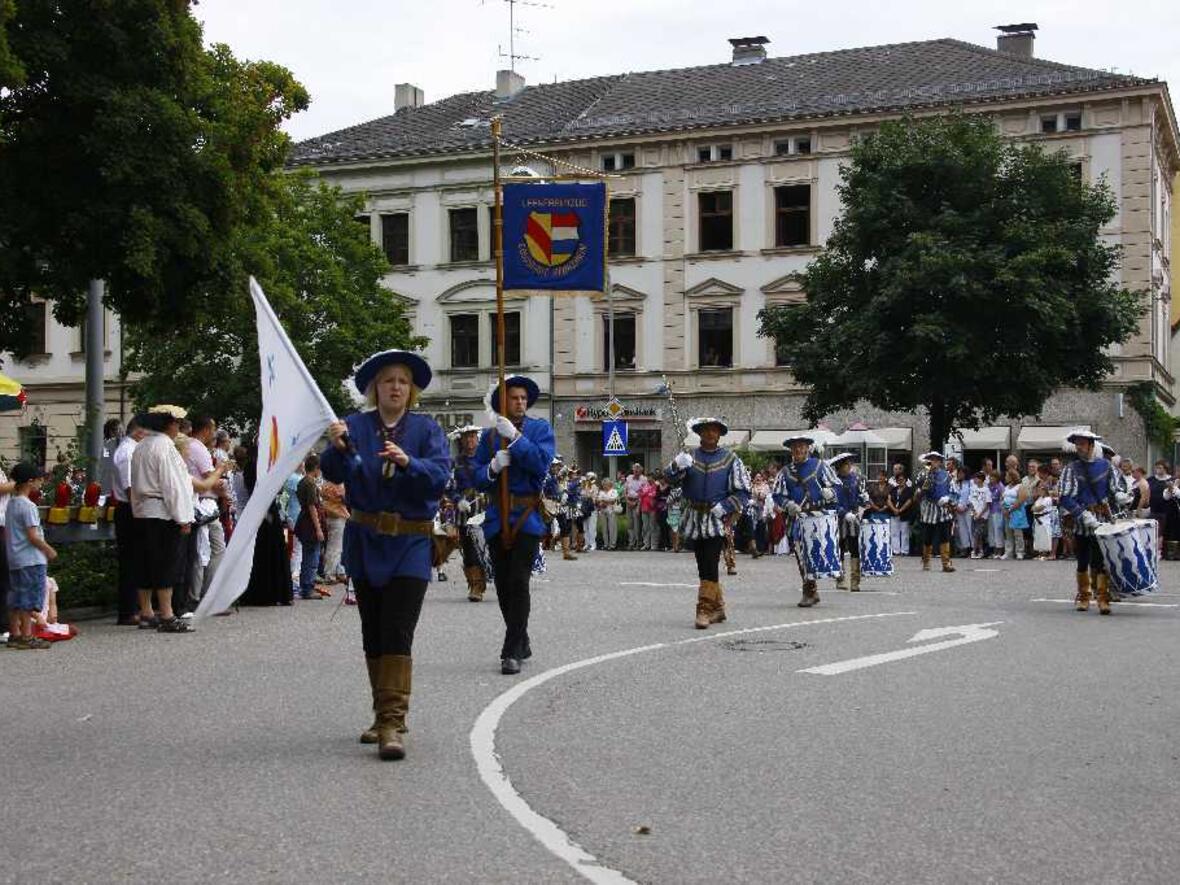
(555, 237)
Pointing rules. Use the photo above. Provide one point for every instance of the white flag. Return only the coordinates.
(294, 416)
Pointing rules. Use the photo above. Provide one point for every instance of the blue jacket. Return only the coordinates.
(532, 453)
(707, 480)
(804, 482)
(463, 477)
(1085, 484)
(412, 491)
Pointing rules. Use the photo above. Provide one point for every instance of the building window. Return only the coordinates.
(37, 327)
(714, 153)
(511, 339)
(792, 215)
(1049, 124)
(782, 354)
(789, 147)
(465, 341)
(1076, 170)
(624, 340)
(619, 161)
(1073, 122)
(715, 337)
(33, 441)
(803, 145)
(395, 238)
(716, 221)
(363, 221)
(621, 226)
(464, 235)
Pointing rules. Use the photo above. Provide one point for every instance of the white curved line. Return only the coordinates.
(545, 831)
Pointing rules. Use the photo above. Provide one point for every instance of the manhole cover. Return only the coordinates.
(762, 644)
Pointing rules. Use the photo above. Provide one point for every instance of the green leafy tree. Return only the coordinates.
(966, 276)
(321, 274)
(128, 152)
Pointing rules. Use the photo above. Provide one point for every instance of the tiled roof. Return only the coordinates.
(878, 78)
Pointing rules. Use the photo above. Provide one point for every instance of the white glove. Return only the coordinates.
(464, 505)
(851, 518)
(1089, 520)
(828, 494)
(500, 460)
(506, 428)
(1123, 498)
(793, 508)
(944, 500)
(718, 510)
(683, 461)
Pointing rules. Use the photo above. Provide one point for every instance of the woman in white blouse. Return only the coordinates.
(606, 505)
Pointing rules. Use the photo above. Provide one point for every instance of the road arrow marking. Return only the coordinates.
(968, 633)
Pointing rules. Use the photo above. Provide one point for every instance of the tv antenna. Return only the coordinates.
(512, 55)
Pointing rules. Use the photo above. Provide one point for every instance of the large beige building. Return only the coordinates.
(724, 185)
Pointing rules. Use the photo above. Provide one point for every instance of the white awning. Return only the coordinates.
(772, 440)
(731, 440)
(989, 439)
(1046, 438)
(896, 437)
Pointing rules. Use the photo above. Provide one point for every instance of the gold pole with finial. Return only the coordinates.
(498, 251)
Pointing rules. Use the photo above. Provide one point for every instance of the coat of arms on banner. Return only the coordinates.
(554, 236)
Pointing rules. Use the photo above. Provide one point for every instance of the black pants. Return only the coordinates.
(126, 547)
(935, 534)
(1089, 555)
(3, 581)
(389, 615)
(708, 552)
(514, 568)
(182, 602)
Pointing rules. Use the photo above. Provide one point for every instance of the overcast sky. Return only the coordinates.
(350, 53)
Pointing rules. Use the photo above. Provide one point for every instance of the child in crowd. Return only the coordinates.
(995, 520)
(1043, 511)
(29, 556)
(979, 505)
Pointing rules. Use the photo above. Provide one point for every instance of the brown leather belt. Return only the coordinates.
(515, 501)
(393, 523)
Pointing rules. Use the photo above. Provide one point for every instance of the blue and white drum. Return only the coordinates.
(1130, 552)
(876, 556)
(819, 544)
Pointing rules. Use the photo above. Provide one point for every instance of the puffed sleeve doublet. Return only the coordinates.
(532, 453)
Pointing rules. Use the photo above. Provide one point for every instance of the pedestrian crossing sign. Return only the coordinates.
(614, 438)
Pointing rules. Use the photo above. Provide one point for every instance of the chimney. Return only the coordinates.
(1017, 39)
(508, 84)
(748, 50)
(407, 95)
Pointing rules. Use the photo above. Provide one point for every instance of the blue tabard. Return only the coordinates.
(413, 491)
(1095, 485)
(532, 453)
(707, 480)
(849, 496)
(801, 482)
(937, 485)
(463, 477)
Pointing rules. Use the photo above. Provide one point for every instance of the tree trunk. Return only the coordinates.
(938, 428)
(95, 397)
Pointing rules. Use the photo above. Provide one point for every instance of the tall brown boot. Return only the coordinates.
(718, 599)
(730, 559)
(393, 703)
(1082, 600)
(369, 735)
(810, 595)
(945, 552)
(842, 581)
(926, 551)
(1102, 591)
(475, 583)
(704, 606)
(855, 588)
(565, 548)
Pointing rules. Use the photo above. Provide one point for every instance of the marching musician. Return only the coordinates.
(936, 509)
(394, 466)
(851, 499)
(514, 542)
(1088, 494)
(715, 486)
(806, 485)
(468, 503)
(551, 499)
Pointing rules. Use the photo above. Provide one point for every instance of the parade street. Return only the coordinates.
(935, 728)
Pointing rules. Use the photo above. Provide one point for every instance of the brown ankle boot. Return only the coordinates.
(1102, 591)
(855, 587)
(1082, 600)
(565, 548)
(369, 735)
(810, 595)
(475, 583)
(945, 552)
(704, 607)
(393, 703)
(926, 551)
(842, 581)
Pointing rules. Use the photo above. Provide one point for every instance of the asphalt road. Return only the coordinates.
(1047, 752)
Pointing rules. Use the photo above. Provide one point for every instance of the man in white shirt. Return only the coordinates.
(126, 544)
(6, 487)
(162, 502)
(199, 460)
(631, 486)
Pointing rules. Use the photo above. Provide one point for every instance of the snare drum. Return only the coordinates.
(876, 556)
(819, 544)
(1129, 552)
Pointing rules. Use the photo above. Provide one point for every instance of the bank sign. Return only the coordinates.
(606, 413)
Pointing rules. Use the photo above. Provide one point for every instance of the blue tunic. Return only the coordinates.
(1086, 484)
(804, 483)
(532, 453)
(716, 477)
(413, 491)
(933, 486)
(850, 494)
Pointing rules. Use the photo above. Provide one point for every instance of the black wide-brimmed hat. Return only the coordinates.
(695, 424)
(419, 371)
(530, 386)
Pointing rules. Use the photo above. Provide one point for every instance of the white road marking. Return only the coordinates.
(1135, 604)
(968, 633)
(545, 831)
(651, 584)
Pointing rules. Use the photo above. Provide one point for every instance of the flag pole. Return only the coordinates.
(498, 249)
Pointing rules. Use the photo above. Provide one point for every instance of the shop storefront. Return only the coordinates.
(644, 432)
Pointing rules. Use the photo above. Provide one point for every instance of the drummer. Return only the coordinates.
(806, 485)
(851, 499)
(936, 511)
(1088, 491)
(715, 485)
(394, 466)
(468, 503)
